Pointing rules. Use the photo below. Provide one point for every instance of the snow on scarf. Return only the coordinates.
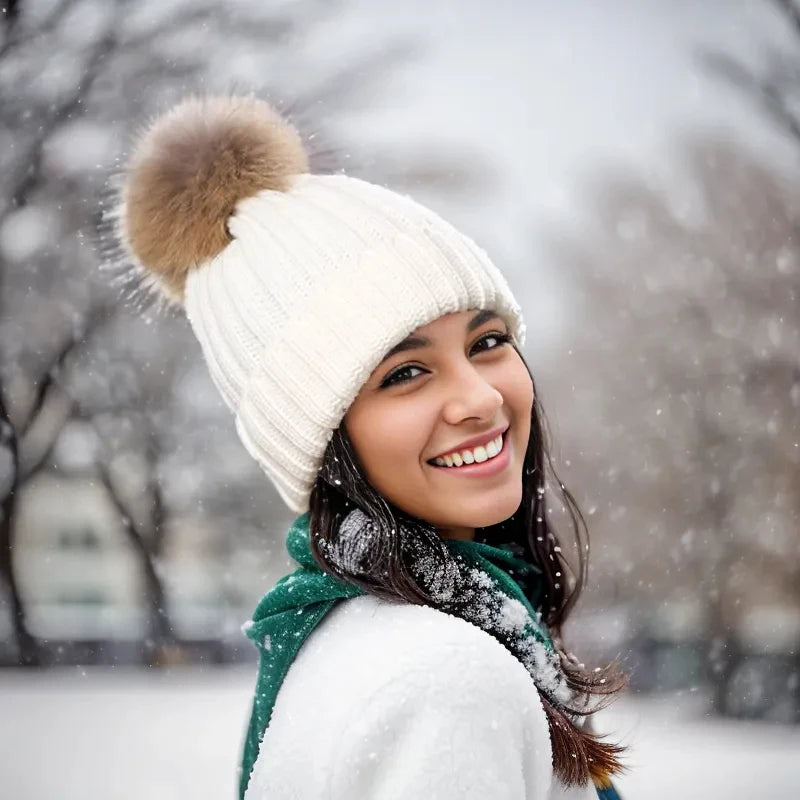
(490, 595)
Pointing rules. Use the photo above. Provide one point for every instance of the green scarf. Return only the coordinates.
(493, 584)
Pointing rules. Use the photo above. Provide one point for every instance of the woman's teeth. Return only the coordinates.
(475, 454)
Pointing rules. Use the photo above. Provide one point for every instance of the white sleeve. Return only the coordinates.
(399, 702)
(451, 729)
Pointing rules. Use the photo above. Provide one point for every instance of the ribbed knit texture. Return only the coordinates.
(317, 285)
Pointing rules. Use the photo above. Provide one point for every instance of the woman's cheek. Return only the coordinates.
(404, 436)
(518, 390)
(390, 445)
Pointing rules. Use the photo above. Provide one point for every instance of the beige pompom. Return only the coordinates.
(188, 171)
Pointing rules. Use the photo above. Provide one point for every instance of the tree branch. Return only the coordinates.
(50, 385)
(27, 644)
(792, 12)
(16, 40)
(29, 173)
(160, 628)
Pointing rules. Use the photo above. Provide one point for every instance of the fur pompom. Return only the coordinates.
(188, 171)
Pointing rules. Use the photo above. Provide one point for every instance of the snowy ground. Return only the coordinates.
(123, 734)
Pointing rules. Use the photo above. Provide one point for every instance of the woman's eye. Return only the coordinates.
(502, 338)
(394, 377)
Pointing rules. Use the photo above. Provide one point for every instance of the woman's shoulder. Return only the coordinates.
(382, 683)
(374, 637)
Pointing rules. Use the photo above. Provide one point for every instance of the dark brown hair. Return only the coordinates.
(386, 571)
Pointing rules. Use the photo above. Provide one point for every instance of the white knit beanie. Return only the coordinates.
(296, 285)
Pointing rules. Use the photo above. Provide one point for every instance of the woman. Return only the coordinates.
(371, 355)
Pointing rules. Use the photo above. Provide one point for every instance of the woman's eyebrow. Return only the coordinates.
(412, 342)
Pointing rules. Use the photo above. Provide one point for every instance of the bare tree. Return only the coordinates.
(74, 76)
(28, 441)
(684, 373)
(774, 88)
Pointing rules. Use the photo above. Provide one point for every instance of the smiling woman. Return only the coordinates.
(456, 384)
(416, 651)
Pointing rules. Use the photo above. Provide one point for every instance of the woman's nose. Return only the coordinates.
(470, 394)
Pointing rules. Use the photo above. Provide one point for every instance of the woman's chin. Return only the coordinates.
(483, 512)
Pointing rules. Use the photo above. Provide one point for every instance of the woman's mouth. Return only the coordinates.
(478, 462)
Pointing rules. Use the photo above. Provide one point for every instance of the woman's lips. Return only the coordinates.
(473, 442)
(492, 466)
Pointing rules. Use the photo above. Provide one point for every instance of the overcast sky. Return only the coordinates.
(561, 85)
(552, 91)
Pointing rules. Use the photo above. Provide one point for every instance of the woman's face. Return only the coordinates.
(427, 398)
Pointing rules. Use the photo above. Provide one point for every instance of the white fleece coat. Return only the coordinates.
(392, 701)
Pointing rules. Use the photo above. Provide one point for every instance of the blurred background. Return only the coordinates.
(631, 166)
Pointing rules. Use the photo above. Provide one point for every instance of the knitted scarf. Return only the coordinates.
(491, 594)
